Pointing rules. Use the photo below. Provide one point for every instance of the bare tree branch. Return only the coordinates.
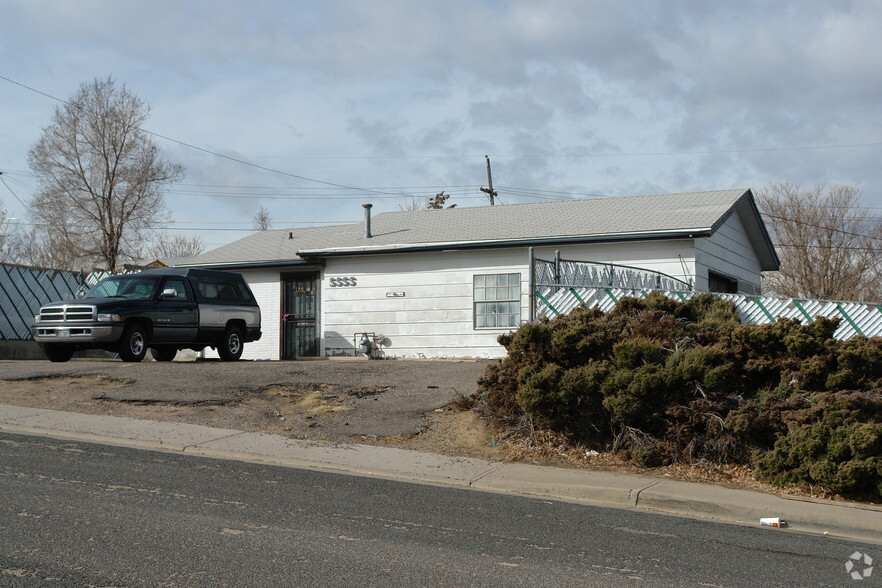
(5, 241)
(101, 177)
(262, 220)
(829, 246)
(178, 246)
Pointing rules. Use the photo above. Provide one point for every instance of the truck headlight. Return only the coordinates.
(109, 318)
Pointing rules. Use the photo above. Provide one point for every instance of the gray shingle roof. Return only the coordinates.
(599, 219)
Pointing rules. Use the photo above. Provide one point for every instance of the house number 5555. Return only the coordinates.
(346, 282)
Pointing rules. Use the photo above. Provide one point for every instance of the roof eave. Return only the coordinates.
(496, 244)
(756, 230)
(256, 264)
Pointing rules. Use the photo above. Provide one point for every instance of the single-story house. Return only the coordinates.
(447, 282)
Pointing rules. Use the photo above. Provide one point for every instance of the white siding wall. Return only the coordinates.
(433, 318)
(728, 252)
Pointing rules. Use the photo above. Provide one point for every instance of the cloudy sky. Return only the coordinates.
(341, 102)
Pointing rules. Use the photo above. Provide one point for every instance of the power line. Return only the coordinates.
(470, 155)
(214, 153)
(300, 197)
(822, 227)
(831, 247)
(444, 188)
(11, 191)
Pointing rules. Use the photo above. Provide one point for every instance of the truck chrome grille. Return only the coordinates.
(67, 313)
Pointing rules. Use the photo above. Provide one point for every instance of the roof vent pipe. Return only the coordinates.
(367, 220)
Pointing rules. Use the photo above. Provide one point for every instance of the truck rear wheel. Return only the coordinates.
(230, 348)
(133, 345)
(57, 353)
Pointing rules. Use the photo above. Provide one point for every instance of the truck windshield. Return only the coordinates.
(131, 286)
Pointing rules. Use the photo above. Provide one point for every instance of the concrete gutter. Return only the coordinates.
(703, 501)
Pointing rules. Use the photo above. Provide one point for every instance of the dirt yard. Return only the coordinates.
(396, 402)
(409, 404)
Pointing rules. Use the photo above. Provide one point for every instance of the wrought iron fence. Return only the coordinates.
(569, 273)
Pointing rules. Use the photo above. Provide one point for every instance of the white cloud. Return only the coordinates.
(560, 94)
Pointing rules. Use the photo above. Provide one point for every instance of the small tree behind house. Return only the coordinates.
(261, 220)
(178, 246)
(830, 247)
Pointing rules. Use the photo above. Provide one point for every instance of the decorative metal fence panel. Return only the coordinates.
(856, 318)
(563, 272)
(23, 290)
(562, 285)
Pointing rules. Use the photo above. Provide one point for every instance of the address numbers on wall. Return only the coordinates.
(345, 282)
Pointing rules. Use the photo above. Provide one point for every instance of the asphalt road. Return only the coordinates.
(77, 514)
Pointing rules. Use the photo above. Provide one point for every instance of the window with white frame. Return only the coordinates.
(497, 300)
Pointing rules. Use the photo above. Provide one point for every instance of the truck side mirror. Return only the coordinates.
(169, 293)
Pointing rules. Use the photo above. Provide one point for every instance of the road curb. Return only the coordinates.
(694, 500)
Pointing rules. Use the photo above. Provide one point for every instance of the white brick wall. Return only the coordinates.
(267, 289)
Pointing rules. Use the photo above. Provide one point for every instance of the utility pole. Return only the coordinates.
(489, 191)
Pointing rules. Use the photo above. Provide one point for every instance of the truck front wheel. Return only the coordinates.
(57, 353)
(231, 347)
(133, 345)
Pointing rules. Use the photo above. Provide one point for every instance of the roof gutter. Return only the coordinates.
(256, 264)
(533, 242)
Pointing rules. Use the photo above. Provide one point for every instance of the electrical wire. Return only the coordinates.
(11, 191)
(384, 193)
(214, 153)
(822, 227)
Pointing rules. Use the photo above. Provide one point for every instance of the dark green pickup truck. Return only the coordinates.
(161, 310)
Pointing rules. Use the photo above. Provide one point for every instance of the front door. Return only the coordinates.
(300, 320)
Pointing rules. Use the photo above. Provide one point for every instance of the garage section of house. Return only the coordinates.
(445, 283)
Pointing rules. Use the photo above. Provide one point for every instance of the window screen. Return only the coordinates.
(497, 300)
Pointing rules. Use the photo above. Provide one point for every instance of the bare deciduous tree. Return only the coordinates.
(100, 176)
(829, 246)
(178, 246)
(37, 248)
(5, 254)
(262, 221)
(412, 205)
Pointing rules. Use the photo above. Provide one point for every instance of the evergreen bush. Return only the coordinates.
(670, 381)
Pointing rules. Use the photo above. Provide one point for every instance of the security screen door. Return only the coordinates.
(299, 327)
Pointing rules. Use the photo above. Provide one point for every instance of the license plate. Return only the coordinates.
(62, 333)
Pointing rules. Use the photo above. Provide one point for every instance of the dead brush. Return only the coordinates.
(463, 403)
